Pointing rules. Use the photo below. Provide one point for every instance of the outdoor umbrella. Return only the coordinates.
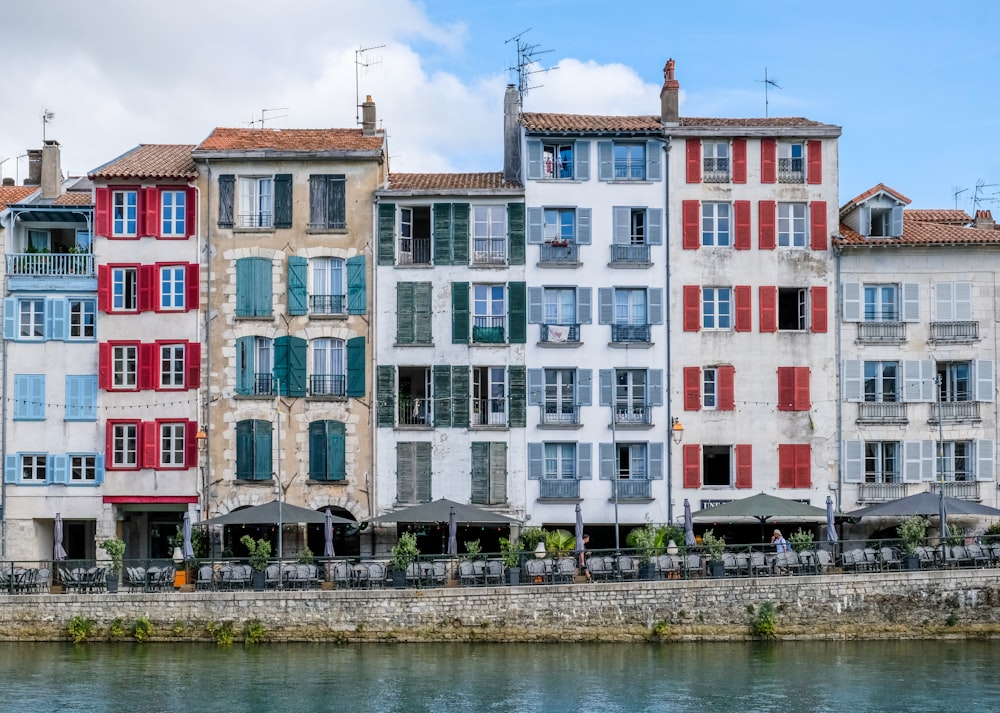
(578, 532)
(58, 552)
(943, 515)
(688, 525)
(440, 511)
(761, 508)
(328, 533)
(925, 503)
(187, 549)
(831, 530)
(267, 514)
(452, 534)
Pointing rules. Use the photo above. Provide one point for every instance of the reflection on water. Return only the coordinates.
(412, 678)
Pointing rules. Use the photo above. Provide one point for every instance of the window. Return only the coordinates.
(790, 162)
(630, 162)
(717, 465)
(254, 376)
(882, 462)
(637, 226)
(560, 461)
(29, 397)
(489, 396)
(328, 377)
(716, 308)
(82, 469)
(489, 473)
(630, 399)
(715, 161)
(327, 454)
(489, 314)
(81, 397)
(31, 324)
(881, 303)
(557, 160)
(709, 388)
(327, 295)
(793, 308)
(885, 222)
(327, 201)
(559, 225)
(253, 450)
(415, 235)
(39, 241)
(124, 444)
(172, 444)
(173, 366)
(792, 225)
(631, 461)
(956, 461)
(559, 305)
(489, 234)
(172, 287)
(124, 213)
(254, 287)
(881, 381)
(559, 406)
(715, 225)
(416, 384)
(413, 472)
(124, 366)
(256, 206)
(173, 210)
(34, 467)
(82, 318)
(954, 381)
(124, 289)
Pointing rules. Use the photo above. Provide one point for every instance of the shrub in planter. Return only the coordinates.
(115, 547)
(801, 540)
(402, 555)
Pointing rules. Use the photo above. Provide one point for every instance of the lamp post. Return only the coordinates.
(676, 436)
(940, 457)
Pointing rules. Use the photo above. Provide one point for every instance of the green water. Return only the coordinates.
(606, 678)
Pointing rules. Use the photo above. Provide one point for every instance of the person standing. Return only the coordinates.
(584, 554)
(779, 542)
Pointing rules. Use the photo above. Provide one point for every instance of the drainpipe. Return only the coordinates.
(8, 233)
(838, 366)
(207, 221)
(667, 397)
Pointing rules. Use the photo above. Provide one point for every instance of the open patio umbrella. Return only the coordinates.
(578, 532)
(440, 511)
(452, 534)
(688, 525)
(761, 508)
(831, 530)
(186, 547)
(328, 533)
(58, 551)
(925, 503)
(267, 514)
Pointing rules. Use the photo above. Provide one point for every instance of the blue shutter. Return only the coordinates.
(356, 367)
(99, 469)
(298, 300)
(262, 450)
(583, 226)
(653, 152)
(605, 305)
(356, 290)
(317, 450)
(281, 376)
(73, 399)
(263, 286)
(245, 356)
(621, 225)
(59, 469)
(296, 360)
(897, 221)
(244, 287)
(581, 157)
(607, 464)
(536, 461)
(534, 160)
(655, 296)
(536, 221)
(21, 390)
(654, 226)
(655, 386)
(605, 161)
(10, 468)
(584, 387)
(10, 318)
(336, 451)
(583, 305)
(655, 450)
(56, 325)
(536, 313)
(606, 382)
(244, 450)
(535, 387)
(36, 397)
(584, 465)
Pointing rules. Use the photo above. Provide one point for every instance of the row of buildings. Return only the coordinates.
(634, 312)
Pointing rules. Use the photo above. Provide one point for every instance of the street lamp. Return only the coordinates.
(676, 431)
(676, 435)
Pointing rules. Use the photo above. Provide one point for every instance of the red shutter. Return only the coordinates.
(744, 318)
(693, 148)
(803, 465)
(786, 465)
(691, 212)
(739, 160)
(150, 453)
(692, 308)
(815, 162)
(104, 366)
(102, 212)
(190, 444)
(189, 212)
(742, 236)
(817, 210)
(768, 155)
(151, 211)
(726, 376)
(800, 397)
(818, 300)
(744, 465)
(148, 367)
(768, 309)
(692, 388)
(104, 288)
(786, 388)
(692, 465)
(149, 294)
(192, 365)
(765, 224)
(109, 444)
(192, 287)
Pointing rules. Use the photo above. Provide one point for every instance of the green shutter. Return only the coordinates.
(317, 450)
(515, 233)
(386, 396)
(480, 472)
(356, 291)
(244, 287)
(423, 295)
(460, 234)
(442, 233)
(263, 286)
(422, 472)
(227, 190)
(296, 367)
(244, 450)
(498, 473)
(281, 347)
(517, 413)
(298, 301)
(387, 234)
(517, 312)
(336, 451)
(460, 396)
(356, 367)
(283, 200)
(460, 313)
(245, 356)
(262, 450)
(405, 315)
(405, 472)
(442, 396)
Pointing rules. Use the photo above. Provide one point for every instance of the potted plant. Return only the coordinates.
(511, 553)
(306, 556)
(559, 543)
(472, 550)
(402, 555)
(115, 547)
(912, 532)
(715, 547)
(260, 553)
(531, 536)
(801, 540)
(644, 541)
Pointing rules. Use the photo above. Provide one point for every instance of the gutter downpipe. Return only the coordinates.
(8, 232)
(668, 396)
(207, 478)
(837, 356)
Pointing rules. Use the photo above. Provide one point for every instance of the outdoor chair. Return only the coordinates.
(807, 558)
(439, 573)
(598, 568)
(44, 580)
(565, 570)
(272, 576)
(667, 566)
(135, 579)
(927, 556)
(957, 556)
(824, 560)
(995, 553)
(729, 565)
(342, 573)
(206, 577)
(759, 564)
(787, 563)
(627, 567)
(854, 560)
(535, 569)
(693, 566)
(889, 558)
(467, 575)
(979, 556)
(742, 564)
(494, 572)
(873, 559)
(376, 575)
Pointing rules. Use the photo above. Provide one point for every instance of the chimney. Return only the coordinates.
(34, 167)
(984, 220)
(511, 135)
(51, 170)
(368, 117)
(669, 101)
(8, 181)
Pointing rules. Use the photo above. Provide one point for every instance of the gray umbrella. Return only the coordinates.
(440, 511)
(578, 532)
(925, 503)
(267, 514)
(186, 546)
(58, 552)
(328, 534)
(452, 534)
(688, 525)
(831, 531)
(943, 514)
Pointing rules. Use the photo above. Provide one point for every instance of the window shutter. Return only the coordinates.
(281, 360)
(10, 468)
(897, 221)
(336, 207)
(726, 374)
(262, 450)
(10, 315)
(442, 395)
(654, 226)
(692, 388)
(56, 327)
(536, 461)
(423, 313)
(581, 160)
(743, 455)
(148, 288)
(480, 471)
(102, 212)
(148, 431)
(297, 298)
(404, 313)
(192, 287)
(741, 238)
(605, 161)
(803, 465)
(654, 152)
(192, 365)
(854, 461)
(244, 450)
(852, 370)
(151, 212)
(460, 234)
(605, 305)
(944, 302)
(498, 473)
(263, 286)
(536, 309)
(583, 226)
(692, 466)
(918, 381)
(317, 450)
(984, 460)
(104, 365)
(515, 233)
(584, 458)
(765, 225)
(584, 387)
(460, 313)
(103, 297)
(654, 387)
(245, 374)
(655, 451)
(817, 210)
(852, 302)
(819, 311)
(336, 451)
(422, 477)
(357, 294)
(655, 297)
(692, 308)
(536, 220)
(983, 370)
(386, 233)
(786, 465)
(768, 295)
(536, 387)
(605, 379)
(814, 154)
(59, 468)
(693, 151)
(768, 162)
(739, 160)
(912, 461)
(534, 160)
(621, 219)
(442, 233)
(583, 304)
(460, 396)
(283, 200)
(517, 313)
(911, 302)
(244, 287)
(386, 396)
(405, 473)
(865, 219)
(786, 388)
(148, 367)
(801, 399)
(743, 321)
(297, 367)
(516, 393)
(191, 444)
(227, 186)
(691, 218)
(21, 400)
(356, 367)
(606, 467)
(190, 212)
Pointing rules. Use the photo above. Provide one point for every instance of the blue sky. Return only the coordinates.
(911, 83)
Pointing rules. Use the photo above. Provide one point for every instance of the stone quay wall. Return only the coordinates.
(932, 604)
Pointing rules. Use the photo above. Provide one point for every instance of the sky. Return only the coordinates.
(912, 83)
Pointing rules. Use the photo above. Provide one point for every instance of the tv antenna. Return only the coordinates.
(978, 197)
(360, 61)
(767, 83)
(956, 191)
(527, 58)
(47, 116)
(265, 118)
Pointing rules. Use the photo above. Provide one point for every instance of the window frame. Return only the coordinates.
(877, 309)
(559, 225)
(795, 165)
(123, 288)
(873, 371)
(625, 165)
(124, 444)
(947, 462)
(173, 377)
(328, 381)
(37, 464)
(171, 444)
(712, 235)
(82, 318)
(35, 324)
(554, 160)
(638, 461)
(171, 289)
(489, 236)
(721, 301)
(562, 457)
(173, 200)
(792, 225)
(87, 463)
(331, 271)
(250, 191)
(119, 366)
(878, 457)
(712, 158)
(953, 383)
(710, 388)
(124, 217)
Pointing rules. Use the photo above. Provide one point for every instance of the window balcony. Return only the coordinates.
(557, 413)
(790, 170)
(882, 412)
(260, 219)
(559, 489)
(415, 412)
(631, 489)
(715, 170)
(954, 332)
(327, 304)
(489, 330)
(50, 264)
(954, 411)
(489, 412)
(881, 492)
(489, 256)
(415, 251)
(559, 254)
(333, 385)
(959, 489)
(630, 333)
(263, 385)
(634, 415)
(630, 170)
(881, 332)
(630, 255)
(560, 334)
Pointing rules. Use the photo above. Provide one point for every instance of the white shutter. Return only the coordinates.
(918, 381)
(984, 460)
(911, 462)
(984, 375)
(622, 224)
(928, 464)
(944, 302)
(963, 301)
(852, 302)
(853, 380)
(911, 302)
(854, 461)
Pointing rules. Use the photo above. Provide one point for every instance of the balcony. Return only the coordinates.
(559, 254)
(630, 255)
(882, 412)
(630, 333)
(263, 385)
(881, 492)
(489, 255)
(715, 170)
(790, 170)
(959, 489)
(881, 332)
(954, 332)
(630, 170)
(327, 304)
(259, 219)
(331, 385)
(631, 489)
(50, 264)
(556, 413)
(415, 412)
(561, 489)
(634, 415)
(954, 412)
(415, 251)
(560, 334)
(488, 330)
(489, 412)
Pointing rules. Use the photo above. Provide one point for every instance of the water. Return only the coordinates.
(789, 677)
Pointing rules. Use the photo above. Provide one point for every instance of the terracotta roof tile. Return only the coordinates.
(151, 161)
(533, 121)
(74, 198)
(916, 232)
(943, 216)
(873, 191)
(223, 139)
(448, 181)
(14, 194)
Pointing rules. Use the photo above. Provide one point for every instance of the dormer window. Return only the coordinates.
(881, 221)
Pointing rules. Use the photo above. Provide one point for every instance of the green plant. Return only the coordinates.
(992, 533)
(559, 543)
(142, 629)
(117, 628)
(661, 629)
(954, 536)
(253, 632)
(472, 549)
(199, 543)
(912, 532)
(222, 632)
(404, 552)
(531, 536)
(765, 623)
(306, 556)
(260, 552)
(644, 541)
(715, 546)
(115, 547)
(80, 629)
(510, 552)
(801, 540)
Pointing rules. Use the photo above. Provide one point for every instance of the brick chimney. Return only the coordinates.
(34, 177)
(51, 170)
(669, 99)
(368, 117)
(984, 220)
(511, 135)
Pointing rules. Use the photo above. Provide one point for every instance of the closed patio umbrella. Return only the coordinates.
(831, 531)
(58, 552)
(943, 514)
(452, 534)
(578, 532)
(328, 533)
(688, 525)
(187, 549)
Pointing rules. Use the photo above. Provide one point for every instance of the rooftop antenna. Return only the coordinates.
(956, 191)
(767, 83)
(978, 197)
(527, 57)
(265, 118)
(47, 116)
(359, 61)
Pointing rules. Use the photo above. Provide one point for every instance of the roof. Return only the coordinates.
(441, 182)
(578, 123)
(944, 216)
(151, 161)
(74, 198)
(15, 194)
(312, 140)
(917, 232)
(875, 190)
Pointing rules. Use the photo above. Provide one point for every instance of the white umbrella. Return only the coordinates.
(58, 552)
(186, 547)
